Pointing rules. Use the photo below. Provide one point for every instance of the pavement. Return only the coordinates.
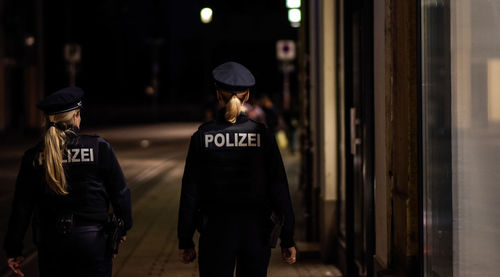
(152, 158)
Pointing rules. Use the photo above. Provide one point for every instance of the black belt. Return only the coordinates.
(83, 229)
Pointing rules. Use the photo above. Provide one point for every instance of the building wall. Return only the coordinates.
(395, 145)
(327, 105)
(401, 46)
(382, 205)
(3, 113)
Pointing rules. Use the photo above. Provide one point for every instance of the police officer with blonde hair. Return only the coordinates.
(234, 189)
(66, 183)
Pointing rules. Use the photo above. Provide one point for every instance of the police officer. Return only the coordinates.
(67, 181)
(234, 180)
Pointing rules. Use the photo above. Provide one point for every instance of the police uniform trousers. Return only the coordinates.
(79, 254)
(230, 240)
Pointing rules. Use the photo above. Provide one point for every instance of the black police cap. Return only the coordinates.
(61, 101)
(233, 77)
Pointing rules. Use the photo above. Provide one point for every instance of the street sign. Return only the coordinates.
(285, 50)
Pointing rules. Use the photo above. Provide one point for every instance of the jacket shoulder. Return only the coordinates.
(93, 137)
(258, 124)
(206, 126)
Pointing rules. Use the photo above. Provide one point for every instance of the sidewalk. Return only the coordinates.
(151, 246)
(154, 175)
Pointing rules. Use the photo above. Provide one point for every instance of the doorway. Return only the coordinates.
(359, 122)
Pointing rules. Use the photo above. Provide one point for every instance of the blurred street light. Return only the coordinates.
(206, 15)
(294, 15)
(30, 41)
(293, 4)
(150, 90)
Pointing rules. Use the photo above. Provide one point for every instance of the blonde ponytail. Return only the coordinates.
(233, 109)
(234, 104)
(55, 144)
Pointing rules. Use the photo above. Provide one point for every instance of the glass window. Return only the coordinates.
(461, 137)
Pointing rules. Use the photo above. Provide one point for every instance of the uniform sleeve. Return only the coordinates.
(189, 202)
(22, 208)
(116, 186)
(280, 194)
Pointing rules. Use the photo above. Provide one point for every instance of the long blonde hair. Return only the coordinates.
(233, 104)
(55, 145)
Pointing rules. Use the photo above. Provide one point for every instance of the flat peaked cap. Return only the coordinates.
(61, 101)
(233, 77)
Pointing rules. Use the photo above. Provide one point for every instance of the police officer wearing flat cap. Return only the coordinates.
(234, 182)
(65, 184)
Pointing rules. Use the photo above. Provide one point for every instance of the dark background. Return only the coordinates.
(125, 43)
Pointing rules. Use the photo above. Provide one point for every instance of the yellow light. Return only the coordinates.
(293, 4)
(493, 90)
(206, 15)
(294, 15)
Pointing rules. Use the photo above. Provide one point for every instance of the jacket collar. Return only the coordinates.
(243, 117)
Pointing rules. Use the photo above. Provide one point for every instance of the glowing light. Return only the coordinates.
(294, 15)
(293, 4)
(150, 90)
(30, 41)
(145, 143)
(206, 15)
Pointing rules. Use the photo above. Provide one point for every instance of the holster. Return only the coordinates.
(278, 221)
(115, 229)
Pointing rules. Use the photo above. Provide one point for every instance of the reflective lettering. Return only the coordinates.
(73, 155)
(75, 158)
(85, 155)
(66, 157)
(221, 142)
(252, 139)
(228, 142)
(208, 139)
(243, 136)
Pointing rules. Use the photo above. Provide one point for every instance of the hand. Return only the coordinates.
(122, 240)
(289, 255)
(187, 255)
(15, 265)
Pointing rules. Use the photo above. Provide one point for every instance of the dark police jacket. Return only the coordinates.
(231, 167)
(94, 179)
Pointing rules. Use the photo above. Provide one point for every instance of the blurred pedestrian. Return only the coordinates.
(271, 113)
(255, 112)
(66, 183)
(234, 188)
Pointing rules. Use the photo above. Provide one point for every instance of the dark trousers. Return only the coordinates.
(80, 254)
(235, 241)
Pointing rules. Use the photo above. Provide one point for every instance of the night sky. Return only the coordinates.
(125, 43)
